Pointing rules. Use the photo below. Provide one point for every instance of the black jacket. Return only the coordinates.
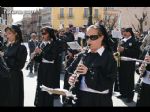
(131, 48)
(15, 57)
(32, 45)
(101, 73)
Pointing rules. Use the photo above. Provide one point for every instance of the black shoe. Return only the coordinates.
(129, 100)
(121, 96)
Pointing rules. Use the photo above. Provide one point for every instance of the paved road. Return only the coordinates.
(30, 87)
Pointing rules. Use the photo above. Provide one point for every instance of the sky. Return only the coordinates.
(18, 12)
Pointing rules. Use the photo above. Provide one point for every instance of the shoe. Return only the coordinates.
(121, 96)
(129, 100)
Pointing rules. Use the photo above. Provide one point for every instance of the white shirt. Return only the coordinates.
(45, 43)
(99, 51)
(84, 87)
(146, 78)
(125, 39)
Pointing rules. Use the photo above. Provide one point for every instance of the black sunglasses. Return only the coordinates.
(92, 37)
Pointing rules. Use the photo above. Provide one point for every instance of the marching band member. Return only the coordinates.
(33, 43)
(128, 48)
(98, 71)
(47, 56)
(143, 95)
(15, 57)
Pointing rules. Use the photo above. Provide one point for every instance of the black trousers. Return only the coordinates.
(93, 99)
(126, 82)
(144, 95)
(33, 65)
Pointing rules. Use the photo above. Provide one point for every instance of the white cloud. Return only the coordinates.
(18, 12)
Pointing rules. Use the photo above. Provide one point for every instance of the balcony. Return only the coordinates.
(96, 16)
(70, 16)
(61, 16)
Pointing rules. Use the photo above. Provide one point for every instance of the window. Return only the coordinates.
(61, 12)
(86, 12)
(96, 13)
(70, 12)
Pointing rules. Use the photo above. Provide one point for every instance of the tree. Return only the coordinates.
(141, 21)
(110, 22)
(90, 17)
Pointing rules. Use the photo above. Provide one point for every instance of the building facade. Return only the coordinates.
(128, 19)
(5, 17)
(77, 16)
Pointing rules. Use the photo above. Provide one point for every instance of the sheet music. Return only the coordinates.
(74, 45)
(116, 34)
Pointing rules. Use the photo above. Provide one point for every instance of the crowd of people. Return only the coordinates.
(99, 73)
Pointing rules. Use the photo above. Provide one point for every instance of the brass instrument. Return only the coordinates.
(117, 58)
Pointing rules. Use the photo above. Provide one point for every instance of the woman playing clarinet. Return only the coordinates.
(97, 71)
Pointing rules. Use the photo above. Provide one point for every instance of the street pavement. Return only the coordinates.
(30, 89)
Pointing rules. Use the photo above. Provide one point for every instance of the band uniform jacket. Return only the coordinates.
(127, 68)
(47, 73)
(15, 56)
(101, 71)
(32, 45)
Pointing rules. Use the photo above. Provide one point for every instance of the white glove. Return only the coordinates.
(142, 69)
(1, 54)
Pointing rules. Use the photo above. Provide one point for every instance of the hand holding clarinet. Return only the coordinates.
(142, 68)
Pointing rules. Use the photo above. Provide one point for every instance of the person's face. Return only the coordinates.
(67, 29)
(11, 36)
(33, 36)
(94, 44)
(45, 35)
(127, 34)
(124, 34)
(61, 33)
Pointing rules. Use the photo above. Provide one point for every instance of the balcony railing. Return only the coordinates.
(85, 15)
(70, 16)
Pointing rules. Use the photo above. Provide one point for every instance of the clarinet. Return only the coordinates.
(32, 57)
(138, 84)
(76, 77)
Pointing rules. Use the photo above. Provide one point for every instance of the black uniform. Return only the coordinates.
(69, 37)
(100, 76)
(127, 68)
(1, 39)
(143, 95)
(32, 45)
(15, 56)
(47, 74)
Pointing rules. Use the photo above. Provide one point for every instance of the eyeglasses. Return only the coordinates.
(92, 37)
(44, 33)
